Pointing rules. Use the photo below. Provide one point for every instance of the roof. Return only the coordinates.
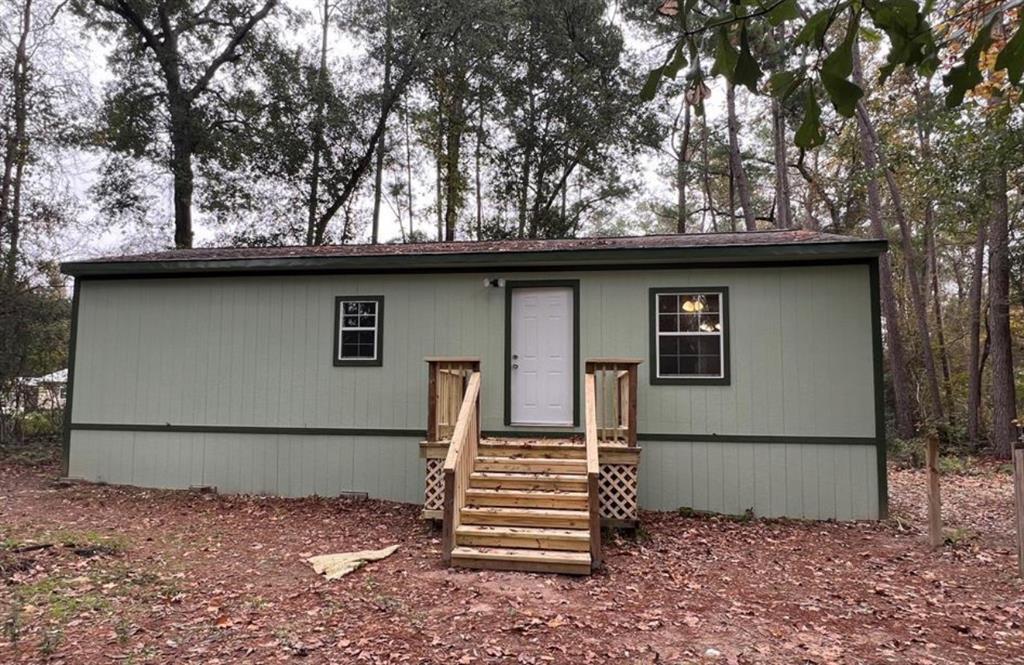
(60, 376)
(753, 246)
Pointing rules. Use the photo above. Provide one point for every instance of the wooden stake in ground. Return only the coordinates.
(935, 537)
(1018, 493)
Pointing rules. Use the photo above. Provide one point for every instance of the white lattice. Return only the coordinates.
(433, 497)
(617, 486)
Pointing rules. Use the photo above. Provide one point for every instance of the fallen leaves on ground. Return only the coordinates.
(158, 576)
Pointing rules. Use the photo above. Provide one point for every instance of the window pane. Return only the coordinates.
(688, 364)
(367, 321)
(667, 303)
(350, 321)
(711, 365)
(349, 308)
(367, 308)
(669, 365)
(688, 323)
(688, 345)
(708, 345)
(711, 302)
(669, 345)
(668, 323)
(365, 337)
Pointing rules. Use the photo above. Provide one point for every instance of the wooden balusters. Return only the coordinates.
(458, 465)
(615, 387)
(447, 379)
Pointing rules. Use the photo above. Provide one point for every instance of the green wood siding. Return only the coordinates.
(256, 352)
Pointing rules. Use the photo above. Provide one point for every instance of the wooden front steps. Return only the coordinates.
(527, 560)
(526, 509)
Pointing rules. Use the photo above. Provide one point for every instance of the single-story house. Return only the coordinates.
(38, 393)
(300, 370)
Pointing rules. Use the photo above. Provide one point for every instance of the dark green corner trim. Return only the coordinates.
(244, 429)
(574, 284)
(876, 339)
(759, 438)
(652, 318)
(351, 362)
(70, 389)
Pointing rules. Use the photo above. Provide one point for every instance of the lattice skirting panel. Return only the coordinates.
(617, 485)
(433, 496)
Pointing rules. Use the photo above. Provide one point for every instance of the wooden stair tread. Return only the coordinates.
(514, 512)
(529, 444)
(539, 494)
(527, 532)
(515, 554)
(525, 475)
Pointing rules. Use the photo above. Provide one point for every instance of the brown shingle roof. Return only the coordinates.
(217, 259)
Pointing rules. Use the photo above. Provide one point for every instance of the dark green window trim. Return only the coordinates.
(573, 284)
(655, 380)
(378, 359)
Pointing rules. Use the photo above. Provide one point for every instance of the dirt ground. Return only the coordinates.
(102, 574)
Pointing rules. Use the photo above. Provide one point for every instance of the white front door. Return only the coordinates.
(541, 365)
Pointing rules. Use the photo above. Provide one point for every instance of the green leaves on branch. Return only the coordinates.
(836, 69)
(910, 37)
(810, 134)
(675, 61)
(901, 26)
(966, 75)
(1011, 58)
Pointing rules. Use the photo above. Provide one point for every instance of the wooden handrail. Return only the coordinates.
(458, 464)
(593, 470)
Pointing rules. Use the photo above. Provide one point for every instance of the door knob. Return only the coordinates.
(515, 366)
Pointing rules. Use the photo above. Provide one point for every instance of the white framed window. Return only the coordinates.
(358, 332)
(689, 336)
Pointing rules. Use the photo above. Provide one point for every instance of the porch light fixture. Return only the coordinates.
(494, 282)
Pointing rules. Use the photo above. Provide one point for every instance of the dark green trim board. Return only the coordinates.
(245, 429)
(652, 321)
(498, 434)
(70, 389)
(878, 357)
(378, 361)
(576, 259)
(759, 438)
(573, 284)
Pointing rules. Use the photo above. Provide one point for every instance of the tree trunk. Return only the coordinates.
(974, 300)
(439, 170)
(318, 130)
(709, 202)
(897, 354)
(739, 176)
(16, 153)
(1004, 404)
(682, 174)
(453, 185)
(477, 189)
(408, 170)
(940, 335)
(181, 169)
(378, 171)
(917, 301)
(783, 215)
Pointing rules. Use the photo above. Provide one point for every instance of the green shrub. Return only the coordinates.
(39, 424)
